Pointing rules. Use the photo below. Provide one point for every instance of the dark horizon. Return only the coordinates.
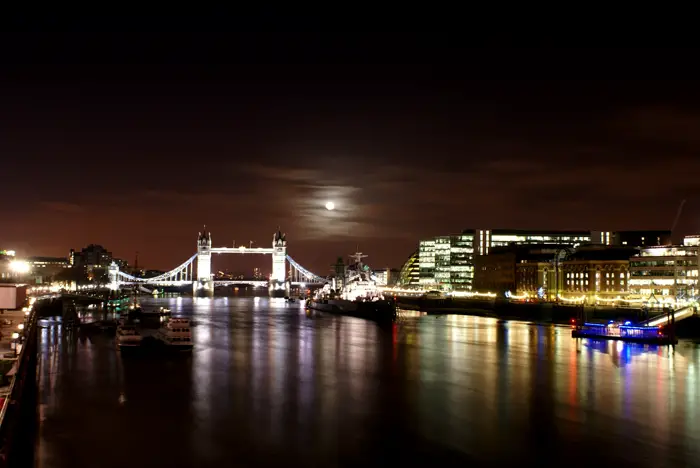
(139, 152)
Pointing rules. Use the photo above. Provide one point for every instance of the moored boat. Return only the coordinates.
(176, 335)
(128, 338)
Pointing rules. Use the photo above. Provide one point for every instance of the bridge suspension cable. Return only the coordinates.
(182, 270)
(305, 274)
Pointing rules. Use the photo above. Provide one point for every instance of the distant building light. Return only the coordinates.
(19, 266)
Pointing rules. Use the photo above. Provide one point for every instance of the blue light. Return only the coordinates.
(612, 321)
(628, 323)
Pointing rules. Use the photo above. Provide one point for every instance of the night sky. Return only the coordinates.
(135, 141)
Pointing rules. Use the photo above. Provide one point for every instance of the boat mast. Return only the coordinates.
(358, 256)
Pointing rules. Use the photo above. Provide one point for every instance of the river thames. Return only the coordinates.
(269, 385)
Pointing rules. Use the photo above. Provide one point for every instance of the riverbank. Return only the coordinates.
(528, 311)
(18, 366)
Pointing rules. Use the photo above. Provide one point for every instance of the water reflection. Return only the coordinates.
(268, 385)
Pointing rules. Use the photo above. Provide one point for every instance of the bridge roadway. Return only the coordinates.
(242, 250)
(255, 283)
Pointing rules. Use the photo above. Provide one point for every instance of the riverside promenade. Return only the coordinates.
(18, 384)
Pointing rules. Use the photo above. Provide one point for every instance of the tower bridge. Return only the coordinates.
(199, 274)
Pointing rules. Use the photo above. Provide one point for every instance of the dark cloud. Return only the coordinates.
(62, 207)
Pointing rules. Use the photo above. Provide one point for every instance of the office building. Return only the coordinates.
(43, 269)
(516, 269)
(386, 276)
(92, 256)
(409, 275)
(666, 275)
(446, 262)
(486, 239)
(631, 238)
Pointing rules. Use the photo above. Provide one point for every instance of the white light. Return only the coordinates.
(330, 205)
(19, 266)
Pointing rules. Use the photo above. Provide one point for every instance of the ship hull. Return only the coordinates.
(378, 311)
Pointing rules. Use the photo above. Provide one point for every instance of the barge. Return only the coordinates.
(624, 332)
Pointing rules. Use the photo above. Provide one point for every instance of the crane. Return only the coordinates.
(675, 263)
(678, 215)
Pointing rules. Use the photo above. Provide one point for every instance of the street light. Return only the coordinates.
(557, 259)
(19, 266)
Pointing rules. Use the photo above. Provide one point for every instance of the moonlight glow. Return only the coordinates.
(330, 205)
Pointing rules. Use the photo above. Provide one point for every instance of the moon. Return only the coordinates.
(330, 206)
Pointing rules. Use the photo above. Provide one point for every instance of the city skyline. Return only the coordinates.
(139, 157)
(272, 247)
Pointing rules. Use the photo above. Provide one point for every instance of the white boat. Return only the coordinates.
(128, 337)
(176, 334)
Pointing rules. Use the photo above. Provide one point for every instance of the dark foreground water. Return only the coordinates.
(268, 385)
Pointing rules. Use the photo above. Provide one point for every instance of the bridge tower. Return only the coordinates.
(204, 278)
(279, 286)
(113, 275)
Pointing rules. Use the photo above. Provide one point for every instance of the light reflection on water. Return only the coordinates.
(268, 384)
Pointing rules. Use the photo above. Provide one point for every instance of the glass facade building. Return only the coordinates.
(409, 276)
(666, 274)
(486, 239)
(447, 262)
(426, 263)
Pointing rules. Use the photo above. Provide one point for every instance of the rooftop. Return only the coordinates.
(607, 253)
(531, 232)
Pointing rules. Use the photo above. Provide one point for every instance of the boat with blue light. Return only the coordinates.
(624, 332)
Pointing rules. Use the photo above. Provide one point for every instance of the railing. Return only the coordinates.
(25, 371)
(676, 315)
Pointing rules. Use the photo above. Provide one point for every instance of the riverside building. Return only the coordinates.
(666, 275)
(447, 262)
